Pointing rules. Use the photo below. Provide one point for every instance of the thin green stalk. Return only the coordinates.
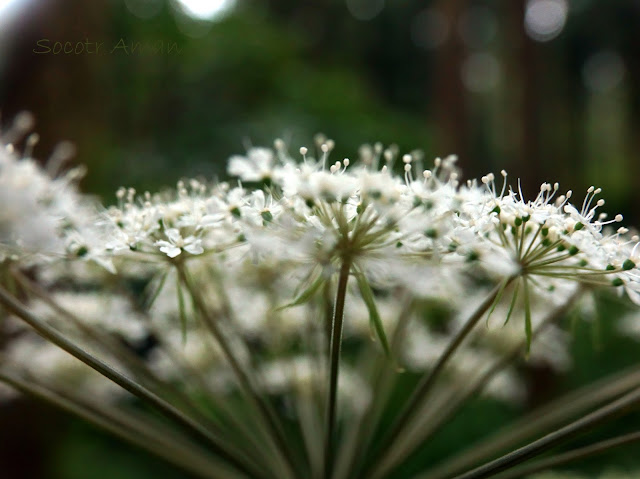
(250, 437)
(571, 456)
(540, 250)
(428, 380)
(568, 406)
(310, 419)
(546, 262)
(522, 229)
(246, 382)
(334, 365)
(453, 406)
(503, 237)
(141, 370)
(272, 424)
(381, 372)
(154, 439)
(535, 236)
(317, 340)
(52, 335)
(533, 449)
(328, 316)
(143, 373)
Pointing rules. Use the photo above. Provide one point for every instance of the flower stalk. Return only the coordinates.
(191, 426)
(538, 421)
(428, 380)
(572, 456)
(247, 384)
(615, 409)
(335, 344)
(146, 436)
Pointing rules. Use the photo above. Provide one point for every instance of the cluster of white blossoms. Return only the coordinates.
(422, 229)
(44, 216)
(550, 239)
(265, 250)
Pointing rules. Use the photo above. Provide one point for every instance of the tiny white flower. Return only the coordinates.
(256, 166)
(177, 244)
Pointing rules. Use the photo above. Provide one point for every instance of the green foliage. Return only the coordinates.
(87, 453)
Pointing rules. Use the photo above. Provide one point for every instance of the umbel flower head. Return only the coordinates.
(244, 289)
(43, 214)
(419, 228)
(549, 240)
(322, 215)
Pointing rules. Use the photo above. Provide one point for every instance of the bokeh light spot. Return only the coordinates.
(481, 72)
(206, 9)
(478, 26)
(9, 7)
(5, 4)
(545, 19)
(429, 29)
(10, 11)
(365, 10)
(603, 71)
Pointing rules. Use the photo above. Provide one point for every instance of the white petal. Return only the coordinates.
(243, 168)
(194, 248)
(173, 235)
(171, 251)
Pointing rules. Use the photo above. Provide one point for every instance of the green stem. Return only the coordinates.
(54, 336)
(570, 456)
(246, 383)
(606, 413)
(143, 374)
(429, 379)
(154, 439)
(535, 236)
(381, 371)
(541, 250)
(334, 365)
(454, 405)
(328, 316)
(539, 420)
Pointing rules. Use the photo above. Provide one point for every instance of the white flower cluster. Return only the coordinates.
(277, 237)
(43, 215)
(421, 229)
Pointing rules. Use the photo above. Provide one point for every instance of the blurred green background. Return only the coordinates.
(547, 89)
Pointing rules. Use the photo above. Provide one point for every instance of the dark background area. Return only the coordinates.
(547, 89)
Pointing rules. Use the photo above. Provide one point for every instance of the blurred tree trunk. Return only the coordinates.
(633, 164)
(63, 91)
(522, 75)
(450, 106)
